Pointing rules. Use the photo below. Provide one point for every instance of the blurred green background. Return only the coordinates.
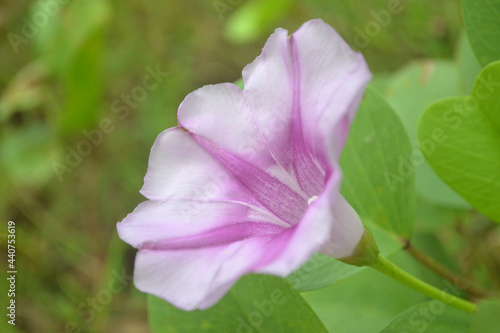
(73, 71)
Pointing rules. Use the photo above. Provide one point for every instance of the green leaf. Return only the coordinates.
(256, 303)
(371, 164)
(431, 317)
(321, 270)
(366, 302)
(461, 136)
(487, 319)
(482, 22)
(411, 90)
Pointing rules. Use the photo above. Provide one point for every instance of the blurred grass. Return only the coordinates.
(67, 247)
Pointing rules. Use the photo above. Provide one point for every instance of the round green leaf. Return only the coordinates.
(460, 137)
(482, 22)
(411, 90)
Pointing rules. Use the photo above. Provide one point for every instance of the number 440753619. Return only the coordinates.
(10, 246)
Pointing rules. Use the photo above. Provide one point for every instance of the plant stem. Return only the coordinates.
(385, 266)
(446, 273)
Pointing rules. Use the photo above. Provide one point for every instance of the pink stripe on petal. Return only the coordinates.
(270, 192)
(216, 237)
(311, 178)
(157, 221)
(331, 82)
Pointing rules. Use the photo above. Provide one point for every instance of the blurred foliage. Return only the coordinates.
(72, 78)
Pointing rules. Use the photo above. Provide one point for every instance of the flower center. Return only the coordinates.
(312, 199)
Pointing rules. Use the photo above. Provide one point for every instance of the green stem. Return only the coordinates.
(446, 273)
(383, 265)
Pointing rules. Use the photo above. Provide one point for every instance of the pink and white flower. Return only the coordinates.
(249, 180)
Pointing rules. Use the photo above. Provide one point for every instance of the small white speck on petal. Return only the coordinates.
(311, 199)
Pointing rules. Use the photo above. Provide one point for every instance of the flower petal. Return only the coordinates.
(194, 223)
(174, 273)
(221, 115)
(188, 278)
(180, 168)
(197, 278)
(304, 91)
(219, 119)
(269, 90)
(347, 228)
(332, 81)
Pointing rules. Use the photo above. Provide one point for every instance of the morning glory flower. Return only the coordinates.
(248, 182)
